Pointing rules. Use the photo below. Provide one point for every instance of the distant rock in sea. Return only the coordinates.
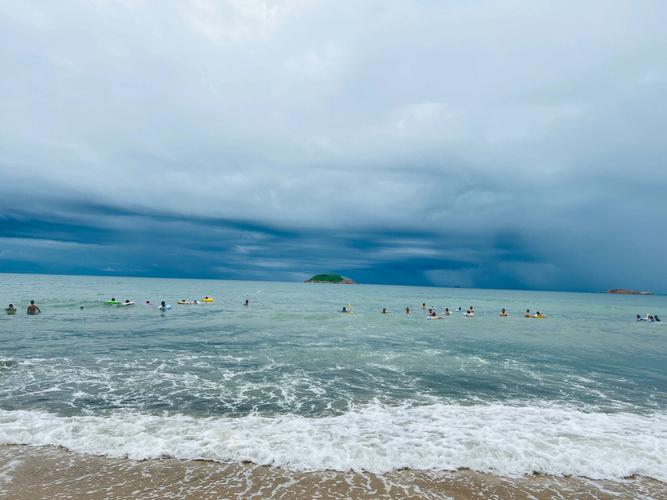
(330, 278)
(623, 291)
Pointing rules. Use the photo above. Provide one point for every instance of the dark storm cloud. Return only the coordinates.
(119, 242)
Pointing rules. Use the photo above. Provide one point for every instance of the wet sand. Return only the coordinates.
(48, 472)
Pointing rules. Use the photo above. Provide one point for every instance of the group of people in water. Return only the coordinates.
(432, 313)
(34, 309)
(31, 310)
(649, 317)
(163, 305)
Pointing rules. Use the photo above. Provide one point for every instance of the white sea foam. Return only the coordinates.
(503, 439)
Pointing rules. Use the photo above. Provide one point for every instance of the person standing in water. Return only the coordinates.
(503, 313)
(407, 310)
(384, 310)
(247, 302)
(527, 313)
(33, 309)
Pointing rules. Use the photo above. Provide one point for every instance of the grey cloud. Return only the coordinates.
(452, 120)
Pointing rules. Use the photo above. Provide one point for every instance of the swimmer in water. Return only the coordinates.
(407, 310)
(503, 313)
(527, 313)
(163, 306)
(447, 311)
(384, 310)
(10, 309)
(655, 318)
(33, 309)
(247, 302)
(423, 306)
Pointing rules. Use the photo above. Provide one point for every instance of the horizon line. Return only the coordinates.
(456, 287)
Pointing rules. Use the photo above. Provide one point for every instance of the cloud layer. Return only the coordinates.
(446, 143)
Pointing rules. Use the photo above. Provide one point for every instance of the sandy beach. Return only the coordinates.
(49, 472)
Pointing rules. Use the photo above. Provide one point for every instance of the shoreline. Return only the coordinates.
(54, 472)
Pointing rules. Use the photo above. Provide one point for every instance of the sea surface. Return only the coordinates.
(291, 383)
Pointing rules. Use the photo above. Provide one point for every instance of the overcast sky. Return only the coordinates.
(468, 143)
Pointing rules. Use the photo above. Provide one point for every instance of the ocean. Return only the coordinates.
(288, 397)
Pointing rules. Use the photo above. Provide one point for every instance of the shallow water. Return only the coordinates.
(290, 382)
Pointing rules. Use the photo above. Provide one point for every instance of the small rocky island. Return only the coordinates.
(623, 291)
(330, 278)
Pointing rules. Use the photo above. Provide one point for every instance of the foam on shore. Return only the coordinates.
(501, 439)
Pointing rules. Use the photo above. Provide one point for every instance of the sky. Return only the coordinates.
(461, 143)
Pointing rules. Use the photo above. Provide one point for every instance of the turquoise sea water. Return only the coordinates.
(290, 381)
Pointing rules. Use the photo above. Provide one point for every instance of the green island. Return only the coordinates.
(330, 278)
(624, 291)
